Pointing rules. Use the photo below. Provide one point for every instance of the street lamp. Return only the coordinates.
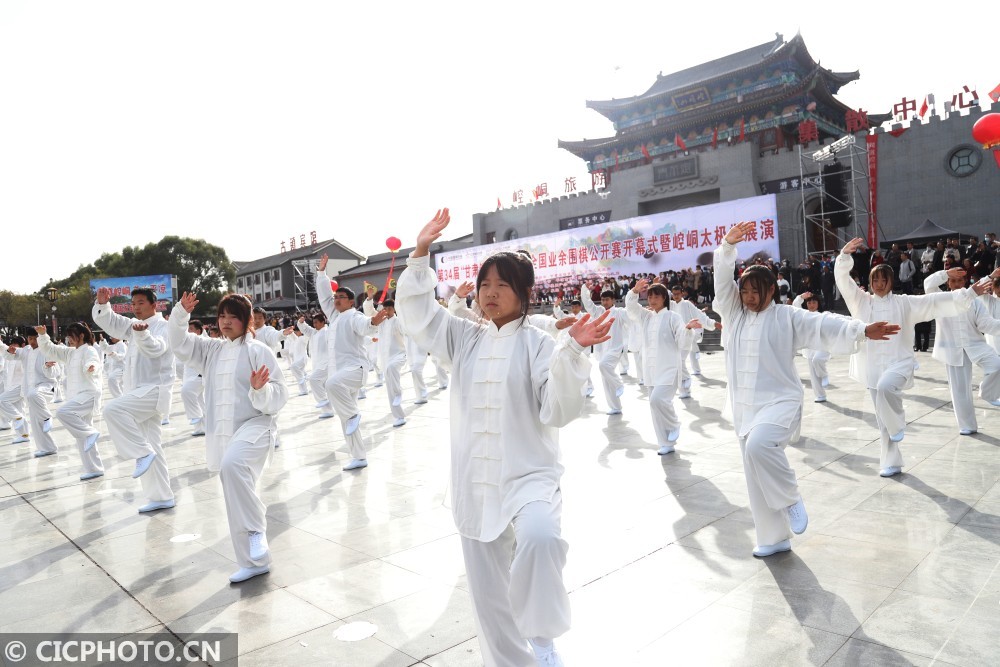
(52, 294)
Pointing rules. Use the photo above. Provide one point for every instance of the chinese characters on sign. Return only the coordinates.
(692, 99)
(793, 184)
(901, 109)
(856, 120)
(808, 131)
(584, 220)
(301, 240)
(676, 170)
(599, 179)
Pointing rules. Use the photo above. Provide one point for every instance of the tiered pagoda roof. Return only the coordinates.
(767, 86)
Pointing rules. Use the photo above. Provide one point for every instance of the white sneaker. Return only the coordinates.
(665, 449)
(547, 656)
(398, 422)
(157, 505)
(420, 401)
(194, 421)
(142, 465)
(323, 404)
(996, 403)
(326, 415)
(443, 387)
(963, 431)
(356, 463)
(40, 453)
(245, 573)
(396, 401)
(352, 424)
(898, 437)
(797, 517)
(820, 399)
(165, 421)
(765, 550)
(614, 412)
(890, 471)
(362, 394)
(47, 425)
(90, 475)
(258, 546)
(198, 430)
(18, 439)
(91, 441)
(684, 394)
(4, 426)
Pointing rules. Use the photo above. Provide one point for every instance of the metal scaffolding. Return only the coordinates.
(304, 279)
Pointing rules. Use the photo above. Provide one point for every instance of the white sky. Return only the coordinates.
(248, 122)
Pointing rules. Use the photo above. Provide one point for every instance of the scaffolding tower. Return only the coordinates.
(304, 278)
(839, 174)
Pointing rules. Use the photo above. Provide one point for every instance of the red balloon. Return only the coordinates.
(334, 285)
(393, 244)
(987, 130)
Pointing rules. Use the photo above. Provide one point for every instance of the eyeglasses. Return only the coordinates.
(341, 297)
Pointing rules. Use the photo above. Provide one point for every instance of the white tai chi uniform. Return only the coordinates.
(765, 392)
(295, 348)
(392, 356)
(688, 311)
(513, 388)
(193, 396)
(11, 400)
(588, 388)
(83, 396)
(58, 378)
(115, 365)
(885, 367)
(319, 350)
(609, 352)
(240, 426)
(665, 341)
(959, 343)
(134, 417)
(4, 422)
(816, 361)
(347, 357)
(992, 303)
(635, 346)
(37, 389)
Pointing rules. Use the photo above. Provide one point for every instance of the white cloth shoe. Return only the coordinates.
(258, 546)
(665, 449)
(684, 394)
(890, 471)
(326, 415)
(398, 422)
(157, 505)
(40, 453)
(323, 404)
(245, 573)
(614, 412)
(18, 439)
(546, 656)
(198, 430)
(165, 421)
(996, 403)
(797, 517)
(420, 401)
(963, 431)
(356, 463)
(898, 437)
(90, 475)
(142, 465)
(819, 399)
(47, 425)
(362, 394)
(765, 550)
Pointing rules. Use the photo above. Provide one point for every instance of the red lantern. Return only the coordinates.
(987, 132)
(393, 244)
(334, 285)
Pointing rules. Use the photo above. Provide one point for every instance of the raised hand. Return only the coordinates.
(853, 245)
(380, 317)
(589, 332)
(259, 377)
(40, 330)
(90, 368)
(464, 290)
(956, 272)
(140, 326)
(289, 331)
(565, 322)
(640, 285)
(322, 262)
(739, 231)
(189, 301)
(371, 290)
(431, 232)
(103, 295)
(694, 324)
(806, 295)
(980, 288)
(881, 330)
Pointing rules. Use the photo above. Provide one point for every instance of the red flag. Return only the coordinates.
(499, 205)
(645, 153)
(924, 107)
(995, 94)
(743, 128)
(680, 142)
(715, 137)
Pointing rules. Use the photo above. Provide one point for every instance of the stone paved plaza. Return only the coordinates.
(904, 571)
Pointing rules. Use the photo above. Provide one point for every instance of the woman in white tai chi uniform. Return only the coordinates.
(886, 368)
(244, 390)
(666, 339)
(83, 391)
(815, 359)
(514, 386)
(765, 392)
(392, 355)
(37, 389)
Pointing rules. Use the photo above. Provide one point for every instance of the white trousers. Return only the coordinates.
(417, 364)
(242, 465)
(77, 415)
(661, 405)
(115, 383)
(889, 415)
(517, 585)
(11, 404)
(394, 384)
(771, 482)
(38, 413)
(609, 376)
(342, 387)
(637, 354)
(695, 355)
(623, 362)
(441, 371)
(193, 396)
(817, 371)
(317, 383)
(960, 382)
(134, 425)
(298, 368)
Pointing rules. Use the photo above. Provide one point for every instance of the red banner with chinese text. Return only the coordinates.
(872, 141)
